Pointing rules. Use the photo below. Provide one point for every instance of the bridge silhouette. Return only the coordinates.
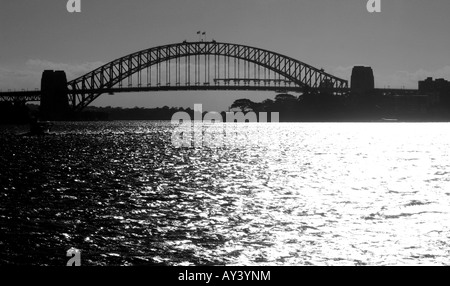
(182, 67)
(192, 66)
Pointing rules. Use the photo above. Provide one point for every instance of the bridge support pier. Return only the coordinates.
(54, 99)
(362, 81)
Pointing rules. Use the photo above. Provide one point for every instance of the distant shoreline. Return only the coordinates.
(23, 115)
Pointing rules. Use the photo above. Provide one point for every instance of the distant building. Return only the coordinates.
(362, 80)
(430, 85)
(439, 88)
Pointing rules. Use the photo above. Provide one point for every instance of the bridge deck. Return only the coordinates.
(25, 95)
(35, 95)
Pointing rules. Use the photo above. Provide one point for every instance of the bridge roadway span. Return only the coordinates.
(35, 95)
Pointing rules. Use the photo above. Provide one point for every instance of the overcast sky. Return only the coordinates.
(408, 41)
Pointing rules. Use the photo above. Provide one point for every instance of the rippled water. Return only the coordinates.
(306, 194)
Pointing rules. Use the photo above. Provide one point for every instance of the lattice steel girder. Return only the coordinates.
(107, 76)
(20, 97)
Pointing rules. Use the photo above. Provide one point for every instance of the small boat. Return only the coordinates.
(389, 120)
(39, 128)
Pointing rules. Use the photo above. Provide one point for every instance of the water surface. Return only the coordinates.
(303, 194)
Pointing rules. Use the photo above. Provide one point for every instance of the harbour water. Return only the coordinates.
(305, 194)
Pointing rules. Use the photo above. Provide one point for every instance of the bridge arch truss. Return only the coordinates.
(199, 66)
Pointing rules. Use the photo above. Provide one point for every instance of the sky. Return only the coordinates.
(408, 41)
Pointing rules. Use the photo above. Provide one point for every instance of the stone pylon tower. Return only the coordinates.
(362, 80)
(54, 100)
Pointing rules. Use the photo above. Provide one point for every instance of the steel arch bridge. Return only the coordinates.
(199, 66)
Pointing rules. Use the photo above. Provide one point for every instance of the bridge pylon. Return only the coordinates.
(54, 99)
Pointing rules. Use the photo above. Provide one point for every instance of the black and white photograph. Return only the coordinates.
(229, 133)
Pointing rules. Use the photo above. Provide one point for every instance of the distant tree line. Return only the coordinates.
(14, 112)
(136, 113)
(319, 106)
(323, 106)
